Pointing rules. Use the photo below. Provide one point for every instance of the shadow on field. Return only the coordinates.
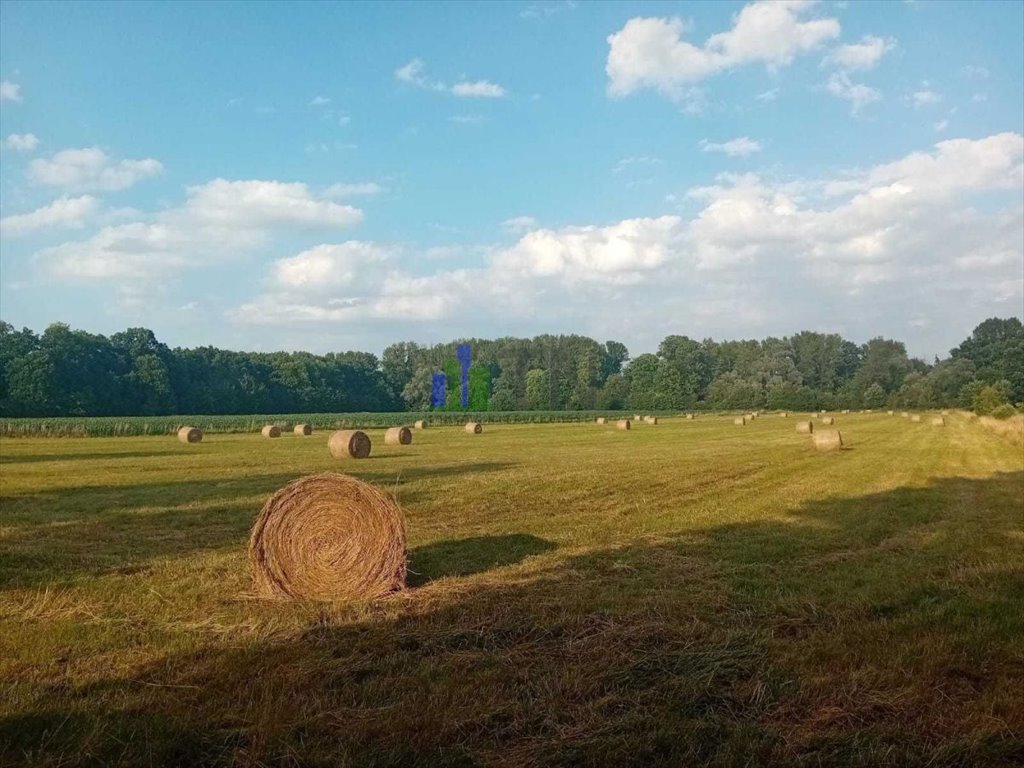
(876, 630)
(465, 557)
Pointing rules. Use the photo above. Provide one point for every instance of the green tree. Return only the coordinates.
(538, 389)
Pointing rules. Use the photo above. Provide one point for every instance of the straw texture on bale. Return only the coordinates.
(303, 429)
(623, 424)
(828, 420)
(915, 417)
(805, 427)
(601, 420)
(421, 424)
(939, 421)
(271, 430)
(190, 435)
(349, 444)
(828, 440)
(328, 537)
(474, 427)
(740, 421)
(398, 436)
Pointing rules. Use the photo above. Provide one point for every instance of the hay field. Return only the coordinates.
(686, 593)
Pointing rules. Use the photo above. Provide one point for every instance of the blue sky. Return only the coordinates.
(332, 176)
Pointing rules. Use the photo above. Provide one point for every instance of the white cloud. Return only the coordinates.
(925, 97)
(518, 224)
(861, 56)
(769, 95)
(21, 142)
(876, 246)
(972, 70)
(219, 220)
(479, 89)
(636, 162)
(940, 126)
(414, 73)
(319, 101)
(90, 169)
(466, 119)
(650, 52)
(65, 212)
(354, 189)
(740, 147)
(858, 94)
(10, 91)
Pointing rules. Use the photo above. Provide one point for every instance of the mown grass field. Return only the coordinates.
(682, 594)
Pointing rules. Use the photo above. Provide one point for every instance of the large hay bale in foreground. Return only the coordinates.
(828, 440)
(939, 421)
(601, 420)
(349, 444)
(740, 421)
(271, 430)
(305, 430)
(474, 427)
(328, 537)
(623, 424)
(828, 420)
(805, 427)
(398, 436)
(190, 435)
(421, 424)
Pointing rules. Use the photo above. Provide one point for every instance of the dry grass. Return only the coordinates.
(1012, 428)
(717, 597)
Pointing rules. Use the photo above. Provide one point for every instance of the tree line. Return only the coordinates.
(66, 372)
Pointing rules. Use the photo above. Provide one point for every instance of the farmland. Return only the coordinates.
(691, 592)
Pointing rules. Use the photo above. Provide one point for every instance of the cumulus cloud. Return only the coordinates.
(21, 142)
(10, 91)
(414, 73)
(858, 94)
(65, 212)
(651, 52)
(861, 56)
(90, 169)
(878, 243)
(925, 97)
(219, 220)
(740, 147)
(354, 189)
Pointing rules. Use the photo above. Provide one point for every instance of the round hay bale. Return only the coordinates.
(623, 424)
(305, 430)
(828, 420)
(689, 417)
(474, 427)
(845, 410)
(421, 424)
(600, 420)
(328, 537)
(650, 419)
(349, 444)
(398, 436)
(828, 440)
(784, 415)
(905, 415)
(939, 421)
(636, 417)
(190, 435)
(915, 417)
(740, 421)
(271, 430)
(805, 427)
(891, 413)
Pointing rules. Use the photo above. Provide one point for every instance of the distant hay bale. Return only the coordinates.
(891, 413)
(190, 435)
(828, 440)
(915, 417)
(636, 417)
(271, 430)
(601, 420)
(623, 424)
(328, 537)
(740, 421)
(650, 419)
(845, 410)
(805, 427)
(828, 420)
(304, 430)
(939, 421)
(349, 444)
(474, 427)
(784, 415)
(421, 424)
(945, 413)
(689, 417)
(398, 436)
(905, 415)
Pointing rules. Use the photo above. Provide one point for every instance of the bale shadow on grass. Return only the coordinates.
(464, 557)
(840, 636)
